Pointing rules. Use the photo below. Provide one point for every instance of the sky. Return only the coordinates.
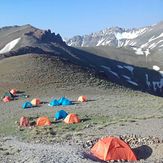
(79, 17)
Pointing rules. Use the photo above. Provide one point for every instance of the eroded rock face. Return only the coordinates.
(28, 36)
(45, 36)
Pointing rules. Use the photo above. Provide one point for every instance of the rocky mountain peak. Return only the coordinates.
(149, 37)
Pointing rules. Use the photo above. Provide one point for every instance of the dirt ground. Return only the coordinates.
(136, 116)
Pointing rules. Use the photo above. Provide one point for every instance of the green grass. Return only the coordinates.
(8, 127)
(60, 131)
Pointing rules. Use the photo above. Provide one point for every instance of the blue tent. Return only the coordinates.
(61, 100)
(66, 102)
(27, 105)
(54, 103)
(60, 115)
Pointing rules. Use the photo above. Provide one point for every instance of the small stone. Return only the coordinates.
(7, 153)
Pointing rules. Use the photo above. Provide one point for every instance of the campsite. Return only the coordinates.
(136, 121)
(81, 81)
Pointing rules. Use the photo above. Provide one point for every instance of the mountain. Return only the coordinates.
(142, 40)
(25, 38)
(140, 48)
(31, 58)
(34, 58)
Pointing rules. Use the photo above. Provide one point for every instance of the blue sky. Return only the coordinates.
(77, 17)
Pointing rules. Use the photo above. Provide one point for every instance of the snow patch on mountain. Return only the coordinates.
(132, 43)
(130, 68)
(126, 77)
(156, 68)
(158, 84)
(155, 84)
(130, 35)
(138, 51)
(132, 82)
(153, 45)
(161, 73)
(109, 69)
(144, 39)
(8, 47)
(154, 38)
(147, 52)
(119, 66)
(99, 42)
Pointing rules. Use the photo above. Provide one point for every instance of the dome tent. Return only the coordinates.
(82, 99)
(6, 99)
(24, 122)
(36, 102)
(112, 148)
(43, 121)
(60, 101)
(60, 115)
(71, 118)
(13, 91)
(27, 105)
(54, 103)
(66, 102)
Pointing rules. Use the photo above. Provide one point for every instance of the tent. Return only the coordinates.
(112, 148)
(71, 118)
(9, 95)
(24, 122)
(61, 100)
(36, 102)
(66, 102)
(27, 105)
(13, 91)
(43, 121)
(82, 99)
(54, 103)
(60, 115)
(6, 99)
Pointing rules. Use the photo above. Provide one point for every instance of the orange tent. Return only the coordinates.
(36, 102)
(112, 148)
(24, 122)
(71, 118)
(6, 99)
(82, 99)
(13, 91)
(43, 121)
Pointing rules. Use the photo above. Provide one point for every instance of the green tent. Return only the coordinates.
(9, 95)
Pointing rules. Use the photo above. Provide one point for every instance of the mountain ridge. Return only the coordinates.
(117, 64)
(148, 37)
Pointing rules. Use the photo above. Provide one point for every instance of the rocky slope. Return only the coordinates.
(46, 59)
(142, 40)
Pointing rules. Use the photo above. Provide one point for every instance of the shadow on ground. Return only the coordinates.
(143, 152)
(85, 119)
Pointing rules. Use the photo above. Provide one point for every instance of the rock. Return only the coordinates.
(135, 140)
(6, 153)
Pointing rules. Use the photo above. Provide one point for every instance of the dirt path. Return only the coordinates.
(15, 151)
